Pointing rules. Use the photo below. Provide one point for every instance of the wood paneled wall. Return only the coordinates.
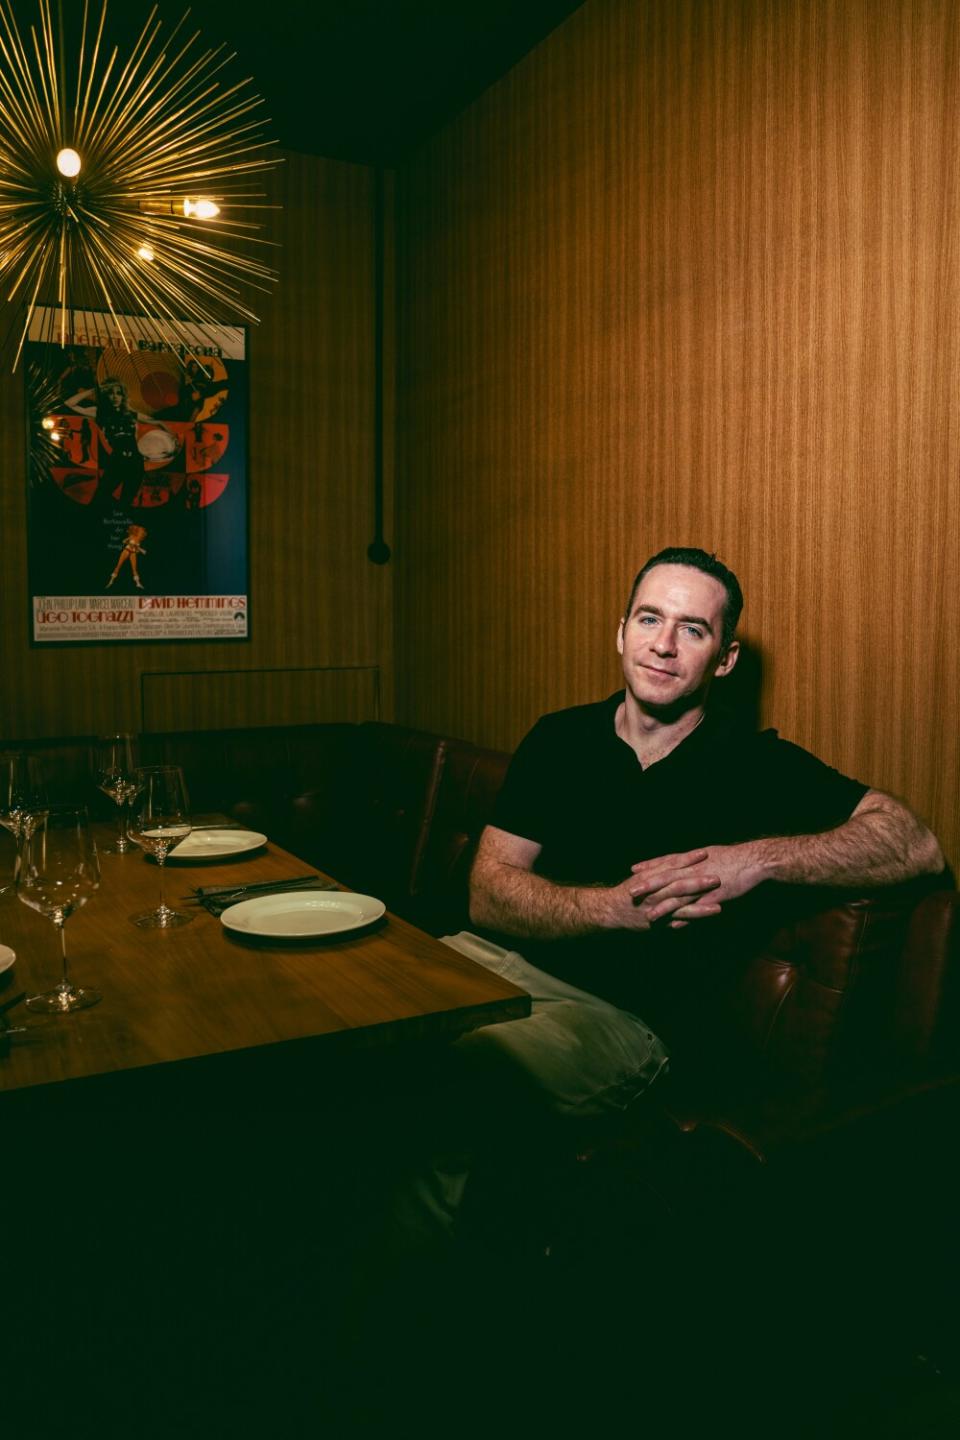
(316, 601)
(690, 274)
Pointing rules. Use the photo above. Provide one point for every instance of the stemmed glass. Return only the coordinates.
(159, 821)
(22, 799)
(114, 765)
(57, 872)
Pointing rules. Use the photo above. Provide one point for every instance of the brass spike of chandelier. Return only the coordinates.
(123, 183)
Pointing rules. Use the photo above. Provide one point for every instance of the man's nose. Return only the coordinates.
(665, 641)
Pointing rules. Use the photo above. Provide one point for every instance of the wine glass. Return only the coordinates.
(22, 798)
(114, 764)
(160, 819)
(57, 872)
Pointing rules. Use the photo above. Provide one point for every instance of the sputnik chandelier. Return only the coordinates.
(123, 184)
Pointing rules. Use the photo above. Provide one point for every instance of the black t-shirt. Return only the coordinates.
(578, 790)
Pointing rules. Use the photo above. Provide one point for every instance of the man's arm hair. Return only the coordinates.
(506, 895)
(882, 843)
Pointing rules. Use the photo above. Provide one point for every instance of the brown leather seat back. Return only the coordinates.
(255, 775)
(820, 1004)
(927, 1011)
(469, 783)
(369, 828)
(356, 800)
(64, 767)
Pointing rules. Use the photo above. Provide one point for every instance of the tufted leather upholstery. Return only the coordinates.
(355, 800)
(926, 1018)
(376, 812)
(256, 775)
(820, 998)
(469, 780)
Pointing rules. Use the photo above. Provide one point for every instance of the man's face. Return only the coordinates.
(671, 642)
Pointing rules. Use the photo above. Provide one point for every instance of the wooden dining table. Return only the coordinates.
(202, 992)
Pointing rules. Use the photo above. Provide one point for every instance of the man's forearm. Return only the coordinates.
(881, 845)
(508, 898)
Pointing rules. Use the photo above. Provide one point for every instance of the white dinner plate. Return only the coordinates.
(216, 844)
(302, 913)
(7, 957)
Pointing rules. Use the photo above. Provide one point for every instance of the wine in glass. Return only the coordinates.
(115, 765)
(22, 797)
(57, 872)
(160, 819)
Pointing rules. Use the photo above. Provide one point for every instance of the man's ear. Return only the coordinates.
(728, 659)
(620, 637)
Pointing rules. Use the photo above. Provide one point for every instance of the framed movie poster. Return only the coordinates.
(137, 503)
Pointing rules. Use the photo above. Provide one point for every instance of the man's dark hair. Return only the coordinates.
(707, 565)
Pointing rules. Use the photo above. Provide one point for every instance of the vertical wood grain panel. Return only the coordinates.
(315, 598)
(237, 699)
(689, 274)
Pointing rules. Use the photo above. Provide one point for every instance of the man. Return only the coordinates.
(676, 637)
(638, 835)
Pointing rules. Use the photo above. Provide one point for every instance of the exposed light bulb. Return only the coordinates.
(68, 163)
(146, 253)
(47, 422)
(200, 209)
(54, 434)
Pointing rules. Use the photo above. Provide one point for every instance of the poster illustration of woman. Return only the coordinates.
(137, 438)
(131, 548)
(122, 471)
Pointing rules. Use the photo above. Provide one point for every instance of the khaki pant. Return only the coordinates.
(574, 1056)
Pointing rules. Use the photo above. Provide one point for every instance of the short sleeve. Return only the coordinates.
(523, 806)
(797, 794)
